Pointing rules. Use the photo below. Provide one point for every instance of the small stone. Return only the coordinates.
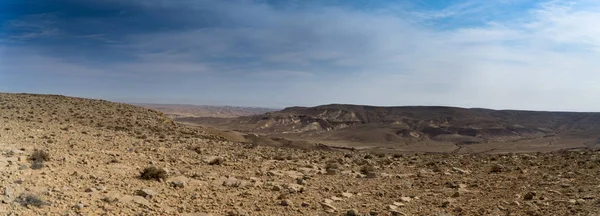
(328, 207)
(214, 160)
(352, 212)
(79, 206)
(461, 171)
(101, 188)
(146, 193)
(405, 199)
(294, 188)
(286, 202)
(399, 204)
(277, 188)
(301, 181)
(90, 190)
(305, 204)
(529, 195)
(347, 195)
(9, 192)
(456, 194)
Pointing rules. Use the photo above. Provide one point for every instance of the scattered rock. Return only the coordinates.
(405, 199)
(352, 212)
(286, 202)
(146, 193)
(529, 195)
(461, 171)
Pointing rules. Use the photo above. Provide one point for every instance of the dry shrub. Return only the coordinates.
(153, 173)
(39, 156)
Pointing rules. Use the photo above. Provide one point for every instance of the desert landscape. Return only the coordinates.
(416, 129)
(74, 156)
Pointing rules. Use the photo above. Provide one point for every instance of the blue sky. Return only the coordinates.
(505, 54)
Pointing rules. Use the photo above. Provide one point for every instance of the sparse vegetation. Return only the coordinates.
(36, 165)
(154, 173)
(39, 156)
(28, 200)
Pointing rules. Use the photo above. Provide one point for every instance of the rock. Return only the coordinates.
(352, 212)
(455, 194)
(399, 204)
(234, 182)
(447, 203)
(286, 202)
(294, 188)
(347, 195)
(277, 188)
(9, 192)
(110, 199)
(79, 206)
(405, 199)
(397, 213)
(529, 195)
(90, 190)
(334, 198)
(146, 193)
(304, 204)
(214, 160)
(497, 168)
(301, 181)
(141, 201)
(328, 207)
(461, 171)
(178, 182)
(101, 188)
(19, 181)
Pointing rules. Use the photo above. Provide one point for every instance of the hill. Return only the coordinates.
(420, 127)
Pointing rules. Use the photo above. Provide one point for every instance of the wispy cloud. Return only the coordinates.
(457, 54)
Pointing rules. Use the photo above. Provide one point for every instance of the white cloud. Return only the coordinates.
(545, 58)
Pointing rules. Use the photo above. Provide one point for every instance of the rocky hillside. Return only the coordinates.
(412, 124)
(71, 156)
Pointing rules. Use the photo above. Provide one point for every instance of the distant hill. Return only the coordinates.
(182, 110)
(356, 125)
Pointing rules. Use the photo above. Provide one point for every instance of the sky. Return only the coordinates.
(501, 54)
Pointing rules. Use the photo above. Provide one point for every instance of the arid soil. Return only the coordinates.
(96, 151)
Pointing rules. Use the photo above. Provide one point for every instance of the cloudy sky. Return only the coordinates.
(504, 54)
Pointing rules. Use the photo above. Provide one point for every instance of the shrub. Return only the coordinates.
(36, 165)
(153, 173)
(27, 200)
(39, 156)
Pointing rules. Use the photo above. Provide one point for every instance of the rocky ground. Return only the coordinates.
(97, 150)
